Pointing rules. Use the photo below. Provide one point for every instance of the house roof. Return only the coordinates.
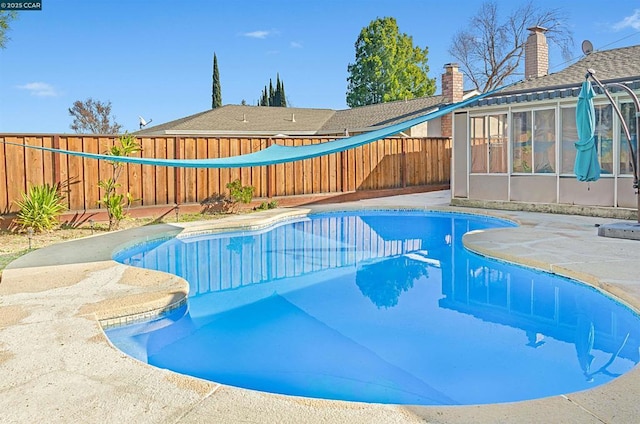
(616, 65)
(236, 119)
(264, 121)
(369, 117)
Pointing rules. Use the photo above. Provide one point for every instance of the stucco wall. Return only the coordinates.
(533, 188)
(459, 156)
(489, 187)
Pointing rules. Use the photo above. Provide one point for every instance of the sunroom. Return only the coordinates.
(518, 145)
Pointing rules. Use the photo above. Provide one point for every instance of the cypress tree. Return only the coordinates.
(283, 97)
(273, 96)
(271, 93)
(216, 95)
(264, 101)
(276, 99)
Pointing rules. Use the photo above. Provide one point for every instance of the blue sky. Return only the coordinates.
(154, 58)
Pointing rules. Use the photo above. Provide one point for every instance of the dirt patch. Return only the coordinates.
(5, 356)
(10, 315)
(187, 383)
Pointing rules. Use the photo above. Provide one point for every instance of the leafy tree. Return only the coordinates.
(93, 117)
(490, 49)
(5, 18)
(216, 95)
(387, 66)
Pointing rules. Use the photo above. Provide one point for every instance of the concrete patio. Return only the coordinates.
(57, 365)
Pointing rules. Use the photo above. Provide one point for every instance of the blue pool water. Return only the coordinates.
(378, 306)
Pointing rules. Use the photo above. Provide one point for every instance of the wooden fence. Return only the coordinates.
(384, 164)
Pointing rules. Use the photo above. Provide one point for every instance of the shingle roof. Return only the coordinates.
(237, 119)
(371, 116)
(621, 64)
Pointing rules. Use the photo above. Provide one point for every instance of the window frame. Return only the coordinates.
(502, 137)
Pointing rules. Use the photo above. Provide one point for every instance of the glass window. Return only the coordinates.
(544, 141)
(534, 141)
(628, 112)
(522, 149)
(489, 144)
(479, 144)
(568, 137)
(497, 143)
(604, 137)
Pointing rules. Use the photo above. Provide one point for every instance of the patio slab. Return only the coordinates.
(57, 365)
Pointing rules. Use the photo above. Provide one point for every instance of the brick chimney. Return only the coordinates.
(536, 53)
(452, 91)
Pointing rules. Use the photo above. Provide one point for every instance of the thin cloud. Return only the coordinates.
(632, 21)
(296, 45)
(40, 89)
(257, 34)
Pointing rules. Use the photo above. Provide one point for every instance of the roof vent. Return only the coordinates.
(244, 117)
(293, 117)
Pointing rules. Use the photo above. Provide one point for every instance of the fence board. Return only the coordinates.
(75, 175)
(225, 174)
(16, 181)
(148, 182)
(172, 173)
(134, 174)
(378, 165)
(161, 181)
(190, 182)
(202, 179)
(213, 175)
(234, 150)
(48, 162)
(244, 145)
(91, 174)
(4, 195)
(34, 162)
(289, 176)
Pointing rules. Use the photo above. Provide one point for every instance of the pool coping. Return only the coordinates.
(61, 367)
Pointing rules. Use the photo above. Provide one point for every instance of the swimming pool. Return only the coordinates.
(378, 306)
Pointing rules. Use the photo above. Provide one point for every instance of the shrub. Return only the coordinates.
(40, 208)
(217, 203)
(264, 206)
(115, 203)
(240, 193)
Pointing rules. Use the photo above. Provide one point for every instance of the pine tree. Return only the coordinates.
(387, 67)
(216, 95)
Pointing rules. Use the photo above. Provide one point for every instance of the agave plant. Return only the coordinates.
(40, 207)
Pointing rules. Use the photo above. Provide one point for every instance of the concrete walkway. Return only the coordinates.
(57, 366)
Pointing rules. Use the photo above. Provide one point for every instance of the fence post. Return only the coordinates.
(176, 173)
(55, 159)
(403, 166)
(270, 174)
(344, 171)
